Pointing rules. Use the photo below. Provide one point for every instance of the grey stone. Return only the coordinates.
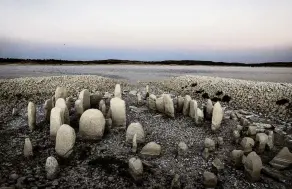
(209, 109)
(193, 109)
(65, 141)
(52, 168)
(236, 156)
(135, 128)
(236, 136)
(14, 176)
(136, 168)
(134, 93)
(152, 102)
(92, 124)
(252, 130)
(27, 149)
(180, 104)
(14, 112)
(118, 112)
(134, 143)
(151, 149)
(79, 107)
(160, 104)
(220, 141)
(69, 101)
(247, 144)
(217, 164)
(282, 160)
(55, 121)
(95, 99)
(261, 139)
(102, 107)
(31, 115)
(217, 116)
(108, 124)
(206, 153)
(210, 180)
(200, 117)
(139, 99)
(84, 96)
(61, 92)
(175, 183)
(210, 144)
(233, 116)
(186, 107)
(239, 128)
(47, 109)
(168, 105)
(252, 166)
(262, 125)
(182, 149)
(244, 122)
(118, 92)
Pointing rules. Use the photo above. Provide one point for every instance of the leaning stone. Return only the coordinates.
(135, 128)
(270, 143)
(118, 92)
(92, 124)
(261, 139)
(236, 156)
(102, 107)
(193, 109)
(200, 117)
(217, 165)
(134, 143)
(282, 160)
(84, 96)
(252, 166)
(151, 149)
(60, 103)
(236, 136)
(61, 92)
(31, 115)
(65, 141)
(247, 144)
(209, 109)
(95, 99)
(175, 183)
(118, 112)
(160, 104)
(180, 104)
(55, 121)
(136, 168)
(79, 107)
(210, 180)
(210, 144)
(168, 105)
(52, 168)
(152, 102)
(252, 130)
(27, 149)
(47, 108)
(182, 149)
(217, 116)
(244, 122)
(186, 107)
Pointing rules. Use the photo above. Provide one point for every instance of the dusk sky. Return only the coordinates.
(225, 30)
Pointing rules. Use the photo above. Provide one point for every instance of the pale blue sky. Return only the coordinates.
(218, 30)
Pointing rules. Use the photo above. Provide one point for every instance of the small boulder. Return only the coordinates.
(95, 99)
(118, 92)
(252, 130)
(206, 153)
(236, 156)
(136, 168)
(252, 166)
(84, 96)
(160, 104)
(247, 144)
(52, 168)
(239, 128)
(217, 165)
(233, 116)
(135, 128)
(61, 92)
(92, 124)
(55, 121)
(31, 115)
(14, 112)
(79, 107)
(118, 112)
(220, 141)
(61, 103)
(108, 124)
(270, 143)
(236, 136)
(282, 160)
(210, 180)
(244, 122)
(47, 109)
(217, 116)
(261, 139)
(200, 117)
(186, 107)
(152, 102)
(209, 109)
(210, 144)
(65, 141)
(175, 183)
(27, 149)
(151, 149)
(182, 149)
(168, 105)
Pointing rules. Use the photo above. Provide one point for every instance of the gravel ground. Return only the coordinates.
(103, 164)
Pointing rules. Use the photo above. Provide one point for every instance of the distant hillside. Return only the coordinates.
(165, 62)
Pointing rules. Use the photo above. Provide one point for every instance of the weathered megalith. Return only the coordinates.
(160, 104)
(282, 160)
(253, 166)
(31, 115)
(65, 141)
(270, 143)
(193, 109)
(152, 102)
(52, 168)
(84, 96)
(61, 92)
(118, 112)
(168, 105)
(135, 128)
(61, 103)
(180, 104)
(27, 148)
(261, 140)
(136, 168)
(139, 99)
(151, 149)
(47, 108)
(91, 124)
(95, 99)
(79, 107)
(217, 116)
(55, 121)
(118, 92)
(186, 107)
(209, 109)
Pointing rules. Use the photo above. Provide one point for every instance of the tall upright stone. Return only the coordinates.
(247, 144)
(118, 112)
(253, 166)
(262, 140)
(160, 104)
(199, 119)
(61, 92)
(193, 109)
(152, 102)
(61, 103)
(84, 96)
(186, 107)
(180, 103)
(209, 110)
(236, 156)
(65, 141)
(27, 149)
(118, 92)
(102, 107)
(31, 115)
(217, 116)
(47, 108)
(55, 121)
(79, 107)
(168, 105)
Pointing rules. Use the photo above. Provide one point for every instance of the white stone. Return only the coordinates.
(61, 103)
(261, 139)
(79, 107)
(152, 102)
(118, 92)
(217, 116)
(92, 124)
(186, 107)
(168, 105)
(52, 168)
(160, 104)
(135, 128)
(151, 149)
(55, 121)
(136, 168)
(65, 141)
(193, 109)
(247, 144)
(118, 112)
(253, 166)
(180, 103)
(84, 96)
(210, 144)
(209, 109)
(31, 115)
(200, 117)
(27, 149)
(102, 107)
(47, 109)
(134, 143)
(61, 92)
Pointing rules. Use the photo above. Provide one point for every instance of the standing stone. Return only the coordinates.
(210, 144)
(95, 99)
(84, 96)
(209, 109)
(135, 128)
(118, 112)
(270, 143)
(151, 149)
(79, 107)
(175, 183)
(102, 107)
(200, 117)
(31, 115)
(282, 160)
(92, 124)
(160, 104)
(55, 121)
(65, 141)
(261, 139)
(186, 107)
(180, 103)
(139, 99)
(210, 180)
(247, 144)
(61, 92)
(152, 102)
(118, 92)
(168, 105)
(252, 130)
(48, 107)
(236, 156)
(236, 136)
(182, 149)
(134, 145)
(217, 116)
(69, 101)
(253, 166)
(52, 168)
(60, 103)
(136, 168)
(27, 149)
(193, 109)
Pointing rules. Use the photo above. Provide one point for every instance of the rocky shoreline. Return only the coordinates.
(104, 163)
